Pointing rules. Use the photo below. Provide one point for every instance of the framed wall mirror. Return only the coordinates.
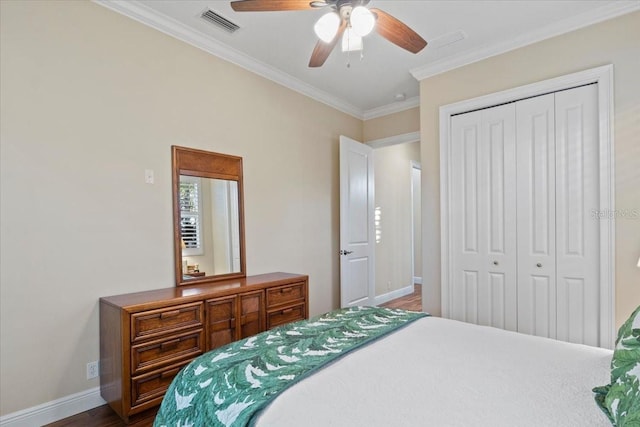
(208, 216)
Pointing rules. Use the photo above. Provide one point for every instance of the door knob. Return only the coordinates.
(538, 265)
(495, 262)
(343, 252)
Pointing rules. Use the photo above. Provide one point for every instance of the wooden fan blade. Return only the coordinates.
(397, 32)
(270, 5)
(322, 50)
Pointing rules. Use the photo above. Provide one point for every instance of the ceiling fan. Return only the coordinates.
(349, 19)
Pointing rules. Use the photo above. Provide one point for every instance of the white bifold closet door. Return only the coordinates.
(524, 244)
(536, 201)
(483, 187)
(577, 198)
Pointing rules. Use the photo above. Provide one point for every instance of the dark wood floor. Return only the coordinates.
(103, 416)
(412, 302)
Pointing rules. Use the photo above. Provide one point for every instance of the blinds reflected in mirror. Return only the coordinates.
(190, 215)
(209, 225)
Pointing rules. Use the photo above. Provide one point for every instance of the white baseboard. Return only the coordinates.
(55, 410)
(381, 299)
(417, 280)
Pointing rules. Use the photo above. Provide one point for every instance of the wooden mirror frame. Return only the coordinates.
(205, 164)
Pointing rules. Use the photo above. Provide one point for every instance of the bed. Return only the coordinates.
(423, 371)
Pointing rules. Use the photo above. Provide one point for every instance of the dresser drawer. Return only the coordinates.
(165, 320)
(286, 315)
(285, 294)
(152, 386)
(154, 354)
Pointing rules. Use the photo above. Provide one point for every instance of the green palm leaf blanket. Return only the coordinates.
(229, 386)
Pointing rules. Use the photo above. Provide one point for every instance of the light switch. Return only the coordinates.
(148, 176)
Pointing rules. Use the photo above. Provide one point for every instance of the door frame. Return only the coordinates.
(344, 149)
(405, 138)
(603, 76)
(417, 166)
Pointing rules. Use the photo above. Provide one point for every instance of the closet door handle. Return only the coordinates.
(539, 265)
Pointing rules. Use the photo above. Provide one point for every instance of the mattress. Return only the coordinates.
(440, 372)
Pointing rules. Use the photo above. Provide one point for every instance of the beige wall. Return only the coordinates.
(392, 170)
(391, 125)
(616, 41)
(89, 100)
(393, 186)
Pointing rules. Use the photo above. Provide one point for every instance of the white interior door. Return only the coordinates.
(483, 211)
(357, 234)
(536, 216)
(577, 197)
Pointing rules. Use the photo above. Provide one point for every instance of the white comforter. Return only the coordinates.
(439, 372)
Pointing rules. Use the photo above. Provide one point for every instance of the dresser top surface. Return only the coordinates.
(183, 294)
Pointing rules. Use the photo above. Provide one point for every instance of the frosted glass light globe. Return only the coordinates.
(327, 27)
(362, 21)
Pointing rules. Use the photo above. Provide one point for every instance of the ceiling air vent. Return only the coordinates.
(219, 21)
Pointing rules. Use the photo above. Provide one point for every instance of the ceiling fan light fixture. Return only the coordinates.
(351, 42)
(362, 21)
(327, 27)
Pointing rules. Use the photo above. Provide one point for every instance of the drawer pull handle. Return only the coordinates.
(167, 314)
(171, 373)
(169, 344)
(285, 290)
(287, 311)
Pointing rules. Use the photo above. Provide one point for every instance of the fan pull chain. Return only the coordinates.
(348, 49)
(349, 55)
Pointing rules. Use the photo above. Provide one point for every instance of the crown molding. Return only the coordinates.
(606, 12)
(180, 31)
(147, 16)
(394, 140)
(394, 107)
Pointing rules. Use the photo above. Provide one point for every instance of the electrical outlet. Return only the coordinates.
(93, 370)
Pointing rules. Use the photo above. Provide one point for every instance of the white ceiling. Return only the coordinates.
(278, 45)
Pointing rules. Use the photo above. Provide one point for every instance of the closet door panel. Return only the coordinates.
(483, 211)
(465, 197)
(536, 314)
(503, 311)
(498, 292)
(471, 285)
(577, 198)
(536, 216)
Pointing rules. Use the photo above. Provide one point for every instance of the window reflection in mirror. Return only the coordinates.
(209, 227)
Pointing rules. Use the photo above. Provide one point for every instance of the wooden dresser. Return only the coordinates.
(147, 337)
